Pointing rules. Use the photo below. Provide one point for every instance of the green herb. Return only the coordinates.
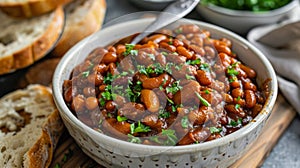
(155, 139)
(139, 128)
(134, 139)
(163, 114)
(202, 100)
(57, 165)
(205, 67)
(171, 137)
(134, 52)
(121, 118)
(237, 106)
(206, 91)
(170, 42)
(185, 122)
(194, 62)
(231, 71)
(85, 73)
(215, 130)
(164, 53)
(238, 98)
(108, 79)
(232, 79)
(151, 56)
(129, 48)
(236, 123)
(175, 87)
(102, 101)
(189, 77)
(234, 65)
(249, 5)
(178, 30)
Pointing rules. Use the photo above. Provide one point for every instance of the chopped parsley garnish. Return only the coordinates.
(171, 137)
(205, 67)
(134, 139)
(163, 114)
(151, 56)
(178, 30)
(164, 53)
(231, 71)
(175, 87)
(129, 50)
(202, 100)
(185, 122)
(85, 73)
(237, 106)
(236, 123)
(121, 118)
(139, 128)
(215, 130)
(206, 91)
(194, 62)
(189, 77)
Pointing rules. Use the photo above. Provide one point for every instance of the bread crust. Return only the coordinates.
(73, 33)
(31, 7)
(38, 49)
(44, 129)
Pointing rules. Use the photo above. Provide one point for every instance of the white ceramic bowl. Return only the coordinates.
(152, 4)
(242, 21)
(112, 152)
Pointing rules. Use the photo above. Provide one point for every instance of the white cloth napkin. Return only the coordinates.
(281, 45)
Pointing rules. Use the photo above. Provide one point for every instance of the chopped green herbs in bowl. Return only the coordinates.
(242, 15)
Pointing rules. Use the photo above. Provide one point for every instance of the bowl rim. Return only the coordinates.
(241, 13)
(124, 145)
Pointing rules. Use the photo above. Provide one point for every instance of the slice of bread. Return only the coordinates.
(83, 17)
(23, 42)
(30, 8)
(30, 127)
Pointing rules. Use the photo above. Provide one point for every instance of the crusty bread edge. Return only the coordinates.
(91, 23)
(31, 7)
(41, 153)
(38, 49)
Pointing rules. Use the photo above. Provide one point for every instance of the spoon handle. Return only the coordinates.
(169, 15)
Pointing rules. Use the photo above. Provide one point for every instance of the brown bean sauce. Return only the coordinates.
(176, 87)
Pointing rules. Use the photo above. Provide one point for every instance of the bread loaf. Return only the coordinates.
(83, 17)
(30, 8)
(23, 42)
(30, 127)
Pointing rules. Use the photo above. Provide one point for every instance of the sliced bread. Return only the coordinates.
(23, 42)
(30, 8)
(83, 17)
(30, 127)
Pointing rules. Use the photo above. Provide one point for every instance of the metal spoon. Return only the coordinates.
(169, 15)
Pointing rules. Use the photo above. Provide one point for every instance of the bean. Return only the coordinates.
(166, 32)
(119, 100)
(89, 91)
(237, 92)
(177, 43)
(198, 50)
(101, 68)
(203, 77)
(176, 59)
(228, 98)
(78, 104)
(190, 29)
(110, 106)
(120, 49)
(96, 79)
(198, 117)
(109, 58)
(256, 109)
(132, 111)
(250, 98)
(184, 52)
(198, 135)
(150, 120)
(102, 88)
(143, 58)
(223, 49)
(167, 46)
(161, 59)
(68, 94)
(226, 61)
(235, 83)
(112, 67)
(250, 72)
(234, 112)
(187, 93)
(150, 99)
(91, 103)
(210, 52)
(226, 41)
(239, 101)
(157, 38)
(117, 129)
(198, 41)
(249, 86)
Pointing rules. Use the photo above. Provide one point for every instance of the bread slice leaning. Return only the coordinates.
(30, 128)
(29, 8)
(83, 17)
(23, 42)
